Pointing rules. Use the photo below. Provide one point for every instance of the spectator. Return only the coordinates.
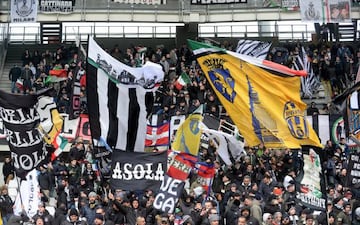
(345, 214)
(36, 58)
(8, 170)
(6, 205)
(77, 152)
(60, 214)
(74, 172)
(26, 57)
(312, 110)
(27, 76)
(60, 170)
(14, 75)
(88, 209)
(100, 211)
(254, 205)
(45, 182)
(74, 218)
(44, 214)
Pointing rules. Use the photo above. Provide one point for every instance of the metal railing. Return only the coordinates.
(31, 34)
(4, 36)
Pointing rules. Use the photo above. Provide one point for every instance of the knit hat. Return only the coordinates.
(277, 191)
(73, 212)
(213, 217)
(186, 219)
(357, 212)
(266, 216)
(92, 194)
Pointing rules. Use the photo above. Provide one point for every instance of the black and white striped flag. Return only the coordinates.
(258, 49)
(329, 127)
(116, 99)
(310, 83)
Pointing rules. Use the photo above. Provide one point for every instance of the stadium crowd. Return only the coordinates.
(259, 189)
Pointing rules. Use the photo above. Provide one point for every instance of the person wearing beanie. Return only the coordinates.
(285, 219)
(245, 212)
(89, 208)
(187, 220)
(74, 218)
(267, 219)
(44, 214)
(289, 196)
(214, 219)
(186, 203)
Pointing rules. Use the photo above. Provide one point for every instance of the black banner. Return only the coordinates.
(56, 6)
(168, 195)
(353, 174)
(20, 122)
(211, 2)
(138, 170)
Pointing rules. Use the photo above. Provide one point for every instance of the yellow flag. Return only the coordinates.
(265, 106)
(188, 135)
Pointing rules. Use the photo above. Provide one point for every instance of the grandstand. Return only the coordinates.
(159, 22)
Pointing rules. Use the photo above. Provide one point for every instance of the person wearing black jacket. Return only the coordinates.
(45, 182)
(14, 75)
(8, 170)
(60, 214)
(44, 214)
(132, 211)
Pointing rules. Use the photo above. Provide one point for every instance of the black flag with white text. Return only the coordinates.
(138, 170)
(21, 121)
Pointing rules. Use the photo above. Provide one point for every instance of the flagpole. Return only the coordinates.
(19, 192)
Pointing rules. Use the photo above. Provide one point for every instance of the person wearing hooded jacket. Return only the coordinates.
(131, 211)
(245, 212)
(43, 213)
(232, 213)
(60, 214)
(73, 218)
